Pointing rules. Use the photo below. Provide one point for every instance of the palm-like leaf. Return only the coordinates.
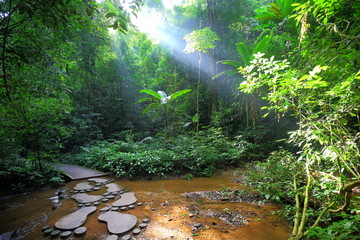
(152, 93)
(244, 52)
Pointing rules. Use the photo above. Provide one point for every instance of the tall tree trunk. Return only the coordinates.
(211, 8)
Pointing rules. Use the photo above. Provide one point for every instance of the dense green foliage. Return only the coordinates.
(80, 83)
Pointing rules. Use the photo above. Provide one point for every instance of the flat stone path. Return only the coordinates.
(74, 220)
(77, 172)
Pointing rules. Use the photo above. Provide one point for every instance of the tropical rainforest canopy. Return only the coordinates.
(173, 87)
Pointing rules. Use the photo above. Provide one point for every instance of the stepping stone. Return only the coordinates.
(98, 180)
(106, 194)
(86, 198)
(126, 237)
(105, 209)
(143, 225)
(114, 209)
(105, 200)
(110, 197)
(80, 230)
(136, 231)
(113, 187)
(96, 188)
(49, 230)
(54, 233)
(65, 234)
(83, 186)
(112, 237)
(118, 223)
(46, 227)
(125, 200)
(75, 219)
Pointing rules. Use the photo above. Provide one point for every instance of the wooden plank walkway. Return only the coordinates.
(77, 172)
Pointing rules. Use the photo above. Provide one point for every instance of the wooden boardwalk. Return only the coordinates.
(77, 172)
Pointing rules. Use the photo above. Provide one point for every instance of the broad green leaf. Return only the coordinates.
(152, 93)
(179, 93)
(244, 53)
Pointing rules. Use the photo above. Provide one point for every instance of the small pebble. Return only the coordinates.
(105, 200)
(97, 184)
(65, 234)
(123, 209)
(131, 206)
(106, 194)
(140, 204)
(198, 225)
(114, 209)
(143, 225)
(145, 220)
(54, 233)
(80, 230)
(87, 204)
(110, 196)
(46, 227)
(80, 205)
(48, 231)
(104, 209)
(136, 231)
(126, 237)
(112, 237)
(96, 188)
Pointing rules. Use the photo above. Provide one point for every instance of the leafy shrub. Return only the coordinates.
(156, 157)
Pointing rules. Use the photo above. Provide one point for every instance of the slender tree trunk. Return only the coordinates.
(166, 122)
(5, 78)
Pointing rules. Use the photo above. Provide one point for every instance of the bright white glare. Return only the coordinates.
(151, 22)
(169, 4)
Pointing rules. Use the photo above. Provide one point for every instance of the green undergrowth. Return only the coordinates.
(155, 157)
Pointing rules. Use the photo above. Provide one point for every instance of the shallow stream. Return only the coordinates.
(172, 214)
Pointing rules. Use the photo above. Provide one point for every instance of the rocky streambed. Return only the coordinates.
(105, 208)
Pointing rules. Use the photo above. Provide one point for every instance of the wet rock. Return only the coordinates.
(123, 209)
(136, 231)
(48, 231)
(65, 234)
(54, 233)
(75, 219)
(86, 198)
(198, 225)
(118, 223)
(112, 237)
(46, 227)
(143, 225)
(126, 237)
(105, 209)
(113, 187)
(98, 180)
(83, 186)
(114, 209)
(125, 200)
(80, 230)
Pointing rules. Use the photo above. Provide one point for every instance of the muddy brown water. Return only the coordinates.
(171, 214)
